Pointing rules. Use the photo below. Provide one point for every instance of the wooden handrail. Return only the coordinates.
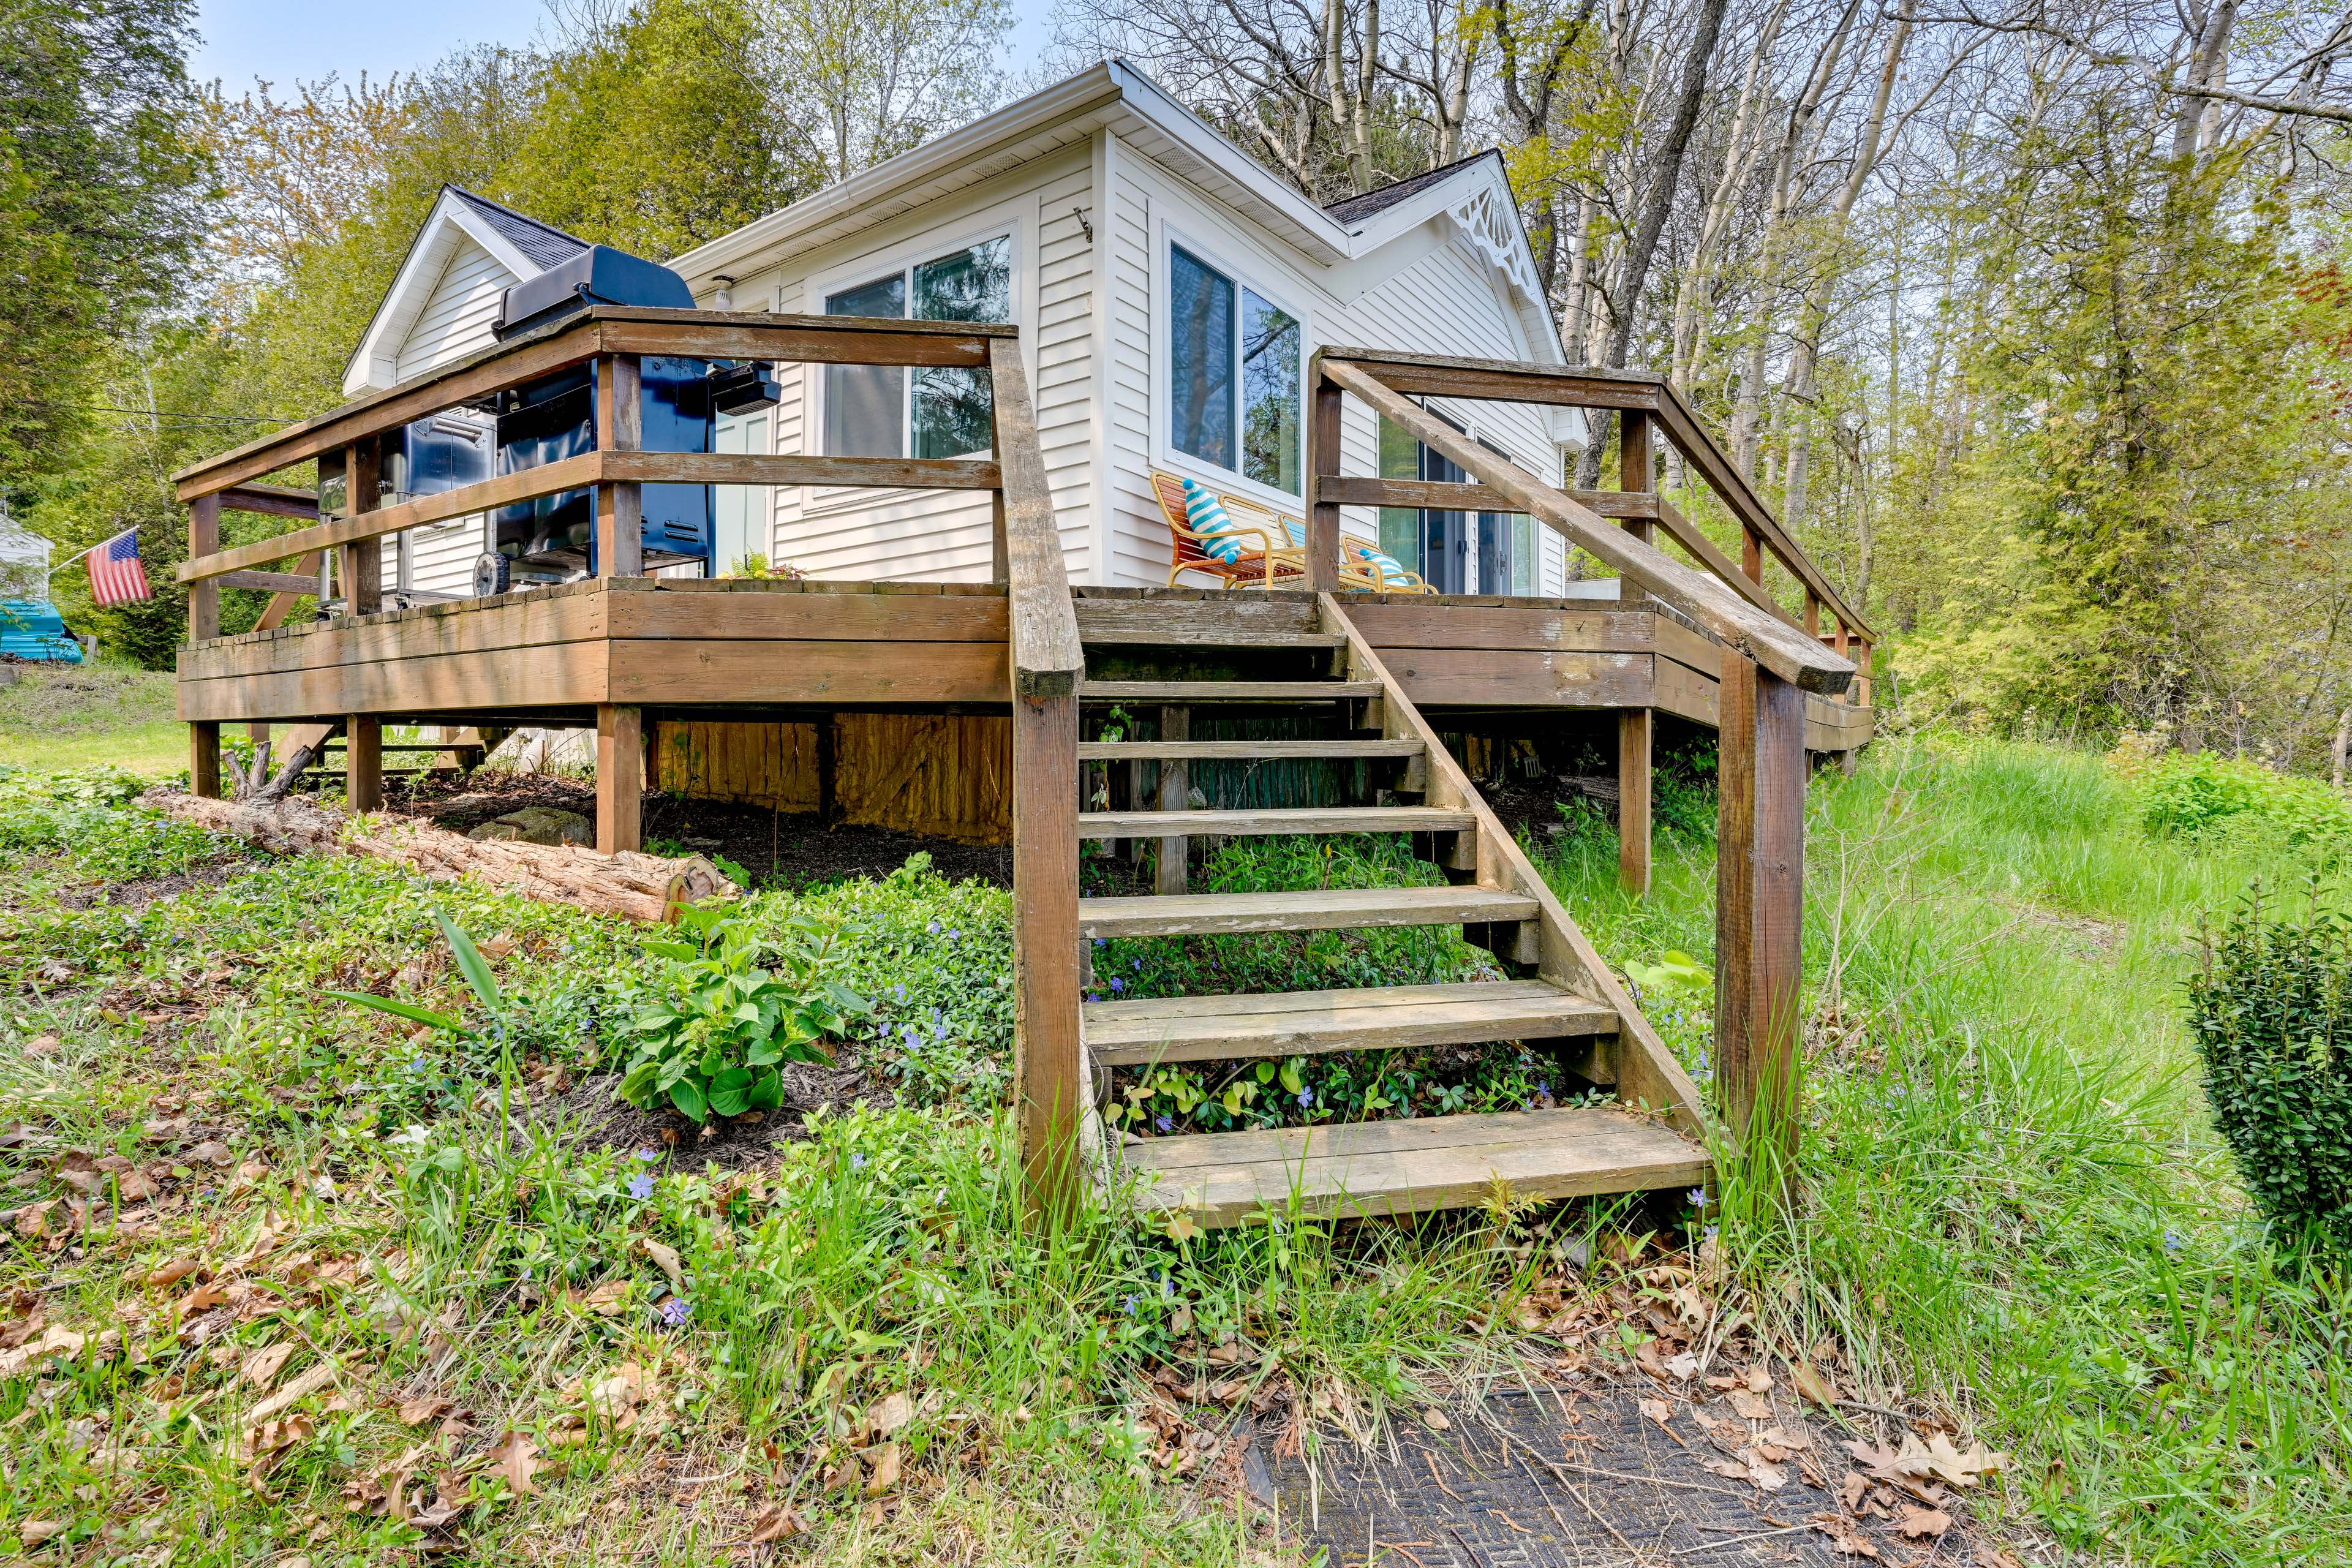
(1783, 648)
(1586, 386)
(577, 339)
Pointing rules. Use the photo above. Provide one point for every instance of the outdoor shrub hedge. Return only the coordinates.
(2196, 794)
(2271, 1009)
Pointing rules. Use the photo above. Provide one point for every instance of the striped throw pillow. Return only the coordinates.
(1391, 569)
(1205, 514)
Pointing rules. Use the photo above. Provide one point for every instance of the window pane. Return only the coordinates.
(1400, 459)
(1523, 554)
(866, 405)
(1199, 361)
(1269, 394)
(952, 407)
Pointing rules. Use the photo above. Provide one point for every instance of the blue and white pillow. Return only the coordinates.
(1205, 514)
(1391, 569)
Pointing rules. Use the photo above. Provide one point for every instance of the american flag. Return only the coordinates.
(116, 576)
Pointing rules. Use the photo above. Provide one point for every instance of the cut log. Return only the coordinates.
(650, 888)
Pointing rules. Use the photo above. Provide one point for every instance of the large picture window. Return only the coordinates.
(1454, 551)
(1233, 375)
(889, 411)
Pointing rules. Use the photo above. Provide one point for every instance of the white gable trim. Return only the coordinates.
(375, 365)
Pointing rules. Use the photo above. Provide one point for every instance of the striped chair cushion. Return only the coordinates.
(1391, 569)
(1205, 514)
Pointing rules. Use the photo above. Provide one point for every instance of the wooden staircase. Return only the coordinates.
(1300, 654)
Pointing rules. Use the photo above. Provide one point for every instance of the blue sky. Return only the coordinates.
(283, 41)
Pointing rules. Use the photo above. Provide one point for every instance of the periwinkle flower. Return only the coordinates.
(649, 1156)
(641, 1186)
(675, 1313)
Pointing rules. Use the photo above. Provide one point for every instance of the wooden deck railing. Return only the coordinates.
(1045, 659)
(1760, 727)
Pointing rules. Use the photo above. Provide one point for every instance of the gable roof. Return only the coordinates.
(542, 243)
(1118, 97)
(523, 247)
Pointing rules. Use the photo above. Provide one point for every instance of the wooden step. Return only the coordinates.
(1212, 692)
(1242, 751)
(1257, 823)
(1309, 1022)
(1227, 620)
(1205, 637)
(1324, 909)
(1371, 1168)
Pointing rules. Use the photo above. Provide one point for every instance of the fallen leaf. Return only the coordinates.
(1922, 1523)
(664, 1258)
(202, 1299)
(1731, 1468)
(890, 1413)
(210, 1152)
(608, 1299)
(1856, 1487)
(1792, 1438)
(776, 1522)
(1657, 1410)
(414, 1412)
(1811, 1384)
(310, 1383)
(1768, 1477)
(1949, 1464)
(886, 1470)
(1437, 1420)
(33, 1532)
(620, 1392)
(1843, 1536)
(262, 1367)
(517, 1459)
(1683, 1367)
(32, 1220)
(264, 1438)
(1750, 1407)
(1759, 1380)
(172, 1273)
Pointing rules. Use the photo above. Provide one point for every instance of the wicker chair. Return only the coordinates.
(1269, 565)
(1358, 570)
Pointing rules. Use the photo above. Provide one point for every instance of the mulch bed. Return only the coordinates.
(140, 892)
(778, 849)
(606, 1123)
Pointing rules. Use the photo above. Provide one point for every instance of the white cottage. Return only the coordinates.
(1168, 289)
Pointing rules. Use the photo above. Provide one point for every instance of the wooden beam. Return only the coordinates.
(1437, 495)
(281, 606)
(363, 559)
(792, 468)
(1045, 1049)
(1759, 912)
(1703, 551)
(1323, 451)
(1169, 875)
(620, 778)
(1751, 555)
(272, 500)
(1781, 647)
(1048, 657)
(620, 504)
(204, 598)
(1635, 730)
(271, 581)
(1634, 476)
(364, 761)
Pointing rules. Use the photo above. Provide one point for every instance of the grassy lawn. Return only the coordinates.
(92, 716)
(402, 1289)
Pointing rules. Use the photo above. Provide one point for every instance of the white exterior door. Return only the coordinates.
(740, 522)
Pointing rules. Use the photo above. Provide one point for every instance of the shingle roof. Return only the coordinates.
(1355, 209)
(542, 244)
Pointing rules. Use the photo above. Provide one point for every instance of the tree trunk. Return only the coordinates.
(1634, 271)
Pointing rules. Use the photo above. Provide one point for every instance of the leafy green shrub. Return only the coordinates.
(735, 1000)
(2196, 795)
(2271, 1010)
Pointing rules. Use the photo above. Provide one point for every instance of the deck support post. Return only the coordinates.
(620, 778)
(363, 761)
(362, 562)
(203, 625)
(1760, 913)
(620, 506)
(1637, 729)
(1322, 517)
(1633, 465)
(828, 770)
(1045, 971)
(1175, 788)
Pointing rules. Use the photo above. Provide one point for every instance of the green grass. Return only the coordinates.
(82, 716)
(2013, 1198)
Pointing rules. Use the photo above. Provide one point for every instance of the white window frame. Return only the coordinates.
(1166, 455)
(904, 257)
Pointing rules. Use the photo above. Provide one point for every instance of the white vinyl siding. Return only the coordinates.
(459, 317)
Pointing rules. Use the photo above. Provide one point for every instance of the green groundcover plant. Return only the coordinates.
(2271, 1009)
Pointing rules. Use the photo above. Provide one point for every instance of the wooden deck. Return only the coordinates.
(680, 648)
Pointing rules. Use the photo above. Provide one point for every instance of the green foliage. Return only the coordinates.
(2196, 794)
(733, 1002)
(470, 964)
(2271, 1012)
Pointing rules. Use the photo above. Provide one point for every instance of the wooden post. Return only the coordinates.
(1045, 971)
(1759, 908)
(620, 506)
(1000, 564)
(620, 776)
(828, 770)
(364, 761)
(203, 625)
(1175, 789)
(1812, 612)
(363, 559)
(1862, 691)
(1751, 554)
(1844, 643)
(1633, 468)
(1635, 728)
(1322, 517)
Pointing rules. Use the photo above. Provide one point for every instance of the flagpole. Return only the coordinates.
(79, 553)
